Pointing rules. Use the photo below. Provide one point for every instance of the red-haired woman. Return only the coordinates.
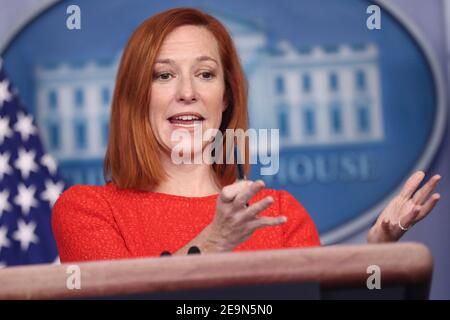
(180, 70)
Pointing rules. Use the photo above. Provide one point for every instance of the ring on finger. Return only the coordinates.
(402, 227)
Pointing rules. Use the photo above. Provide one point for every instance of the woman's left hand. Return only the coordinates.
(405, 209)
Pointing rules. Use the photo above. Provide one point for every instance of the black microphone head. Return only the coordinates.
(194, 250)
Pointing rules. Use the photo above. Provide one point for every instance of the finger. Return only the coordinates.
(229, 192)
(411, 184)
(426, 190)
(391, 230)
(428, 206)
(408, 220)
(388, 226)
(256, 208)
(247, 192)
(266, 222)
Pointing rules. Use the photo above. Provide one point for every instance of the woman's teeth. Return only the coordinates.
(186, 120)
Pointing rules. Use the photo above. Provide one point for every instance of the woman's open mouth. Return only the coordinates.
(186, 120)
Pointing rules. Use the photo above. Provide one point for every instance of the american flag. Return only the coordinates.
(29, 185)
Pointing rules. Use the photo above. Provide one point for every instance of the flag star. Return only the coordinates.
(5, 130)
(57, 260)
(48, 161)
(5, 95)
(4, 203)
(5, 168)
(52, 191)
(25, 234)
(25, 162)
(4, 242)
(25, 126)
(25, 198)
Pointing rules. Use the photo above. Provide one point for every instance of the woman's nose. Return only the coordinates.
(186, 91)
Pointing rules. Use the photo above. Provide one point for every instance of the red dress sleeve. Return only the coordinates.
(84, 227)
(299, 230)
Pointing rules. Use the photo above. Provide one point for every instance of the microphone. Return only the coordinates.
(191, 250)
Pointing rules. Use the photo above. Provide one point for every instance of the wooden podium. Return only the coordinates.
(331, 272)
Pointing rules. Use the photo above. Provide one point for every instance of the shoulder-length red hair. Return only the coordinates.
(132, 157)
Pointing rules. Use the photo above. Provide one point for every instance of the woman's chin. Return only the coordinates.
(187, 154)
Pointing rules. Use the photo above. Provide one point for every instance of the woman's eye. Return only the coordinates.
(206, 75)
(163, 76)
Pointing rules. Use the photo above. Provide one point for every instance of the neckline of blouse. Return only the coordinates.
(166, 195)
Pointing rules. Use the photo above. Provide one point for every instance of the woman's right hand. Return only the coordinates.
(234, 222)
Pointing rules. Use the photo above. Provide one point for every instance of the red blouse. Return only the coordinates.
(105, 222)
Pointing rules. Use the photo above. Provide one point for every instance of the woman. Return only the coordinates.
(179, 71)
